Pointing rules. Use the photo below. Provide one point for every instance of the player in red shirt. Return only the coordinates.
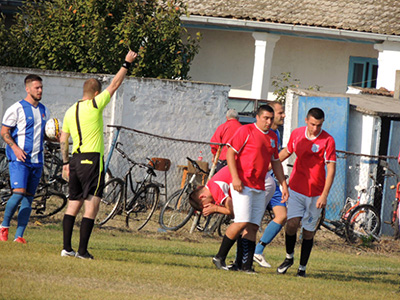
(222, 135)
(251, 150)
(215, 197)
(309, 184)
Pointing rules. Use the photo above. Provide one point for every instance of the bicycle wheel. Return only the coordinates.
(144, 204)
(111, 202)
(362, 224)
(177, 211)
(224, 222)
(47, 204)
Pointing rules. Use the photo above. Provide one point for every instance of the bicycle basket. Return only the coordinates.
(160, 164)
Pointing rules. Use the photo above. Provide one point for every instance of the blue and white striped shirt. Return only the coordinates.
(27, 125)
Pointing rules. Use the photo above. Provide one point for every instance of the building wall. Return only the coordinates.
(227, 57)
(161, 107)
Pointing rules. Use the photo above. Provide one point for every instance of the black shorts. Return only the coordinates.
(85, 177)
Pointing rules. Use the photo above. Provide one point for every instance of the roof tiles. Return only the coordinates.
(373, 16)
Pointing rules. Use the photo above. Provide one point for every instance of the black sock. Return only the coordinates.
(306, 247)
(68, 227)
(86, 231)
(248, 253)
(226, 245)
(290, 241)
(239, 252)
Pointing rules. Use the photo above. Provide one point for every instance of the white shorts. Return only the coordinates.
(249, 205)
(305, 207)
(270, 187)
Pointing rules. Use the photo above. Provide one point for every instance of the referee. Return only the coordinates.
(83, 121)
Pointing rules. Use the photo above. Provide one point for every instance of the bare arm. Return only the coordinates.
(5, 134)
(64, 147)
(280, 175)
(331, 170)
(227, 209)
(120, 76)
(236, 182)
(284, 154)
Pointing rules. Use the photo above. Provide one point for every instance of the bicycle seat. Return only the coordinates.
(160, 164)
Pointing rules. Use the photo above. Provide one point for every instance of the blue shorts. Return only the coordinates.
(25, 175)
(276, 199)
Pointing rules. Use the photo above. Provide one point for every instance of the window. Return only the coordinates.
(363, 72)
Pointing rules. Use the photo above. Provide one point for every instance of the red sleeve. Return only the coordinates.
(330, 154)
(216, 138)
(239, 139)
(290, 144)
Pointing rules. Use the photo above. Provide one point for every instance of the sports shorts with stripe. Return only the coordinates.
(86, 175)
(304, 207)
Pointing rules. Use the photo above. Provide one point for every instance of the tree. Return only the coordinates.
(92, 36)
(285, 81)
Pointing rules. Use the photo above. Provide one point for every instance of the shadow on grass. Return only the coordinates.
(365, 276)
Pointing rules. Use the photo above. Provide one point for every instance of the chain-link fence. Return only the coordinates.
(371, 179)
(372, 174)
(141, 146)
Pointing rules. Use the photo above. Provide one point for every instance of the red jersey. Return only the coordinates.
(222, 135)
(219, 185)
(254, 151)
(308, 175)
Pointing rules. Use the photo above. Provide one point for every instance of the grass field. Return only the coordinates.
(158, 265)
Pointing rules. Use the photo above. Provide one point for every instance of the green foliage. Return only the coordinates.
(285, 81)
(93, 36)
(282, 83)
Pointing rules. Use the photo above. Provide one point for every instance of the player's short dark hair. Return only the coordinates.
(263, 108)
(194, 198)
(274, 103)
(32, 77)
(91, 86)
(316, 113)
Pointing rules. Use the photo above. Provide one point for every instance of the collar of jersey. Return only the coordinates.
(264, 132)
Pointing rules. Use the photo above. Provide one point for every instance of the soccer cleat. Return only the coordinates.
(301, 273)
(219, 263)
(20, 240)
(287, 263)
(3, 234)
(233, 267)
(87, 255)
(67, 253)
(260, 259)
(250, 271)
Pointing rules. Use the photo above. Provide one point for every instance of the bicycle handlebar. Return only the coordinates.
(194, 163)
(134, 163)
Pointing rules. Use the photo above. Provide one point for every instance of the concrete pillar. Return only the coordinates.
(388, 62)
(264, 51)
(397, 86)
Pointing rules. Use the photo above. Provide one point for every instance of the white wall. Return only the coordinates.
(228, 57)
(152, 105)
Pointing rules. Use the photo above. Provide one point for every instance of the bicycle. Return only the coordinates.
(357, 222)
(177, 211)
(46, 202)
(140, 206)
(394, 215)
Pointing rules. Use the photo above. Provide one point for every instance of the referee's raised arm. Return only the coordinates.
(119, 77)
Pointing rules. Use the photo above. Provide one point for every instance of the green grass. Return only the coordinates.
(151, 265)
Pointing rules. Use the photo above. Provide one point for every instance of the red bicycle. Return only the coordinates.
(395, 222)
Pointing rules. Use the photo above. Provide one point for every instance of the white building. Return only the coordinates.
(331, 44)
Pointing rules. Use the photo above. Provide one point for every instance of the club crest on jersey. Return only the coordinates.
(272, 143)
(315, 148)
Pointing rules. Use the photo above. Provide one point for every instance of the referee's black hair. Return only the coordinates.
(316, 113)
